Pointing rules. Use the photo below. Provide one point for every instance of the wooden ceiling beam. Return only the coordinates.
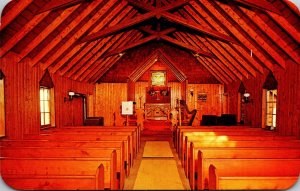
(21, 33)
(112, 60)
(236, 15)
(187, 46)
(211, 70)
(215, 23)
(220, 68)
(101, 69)
(47, 31)
(232, 27)
(154, 35)
(131, 45)
(94, 66)
(58, 4)
(284, 24)
(78, 47)
(276, 39)
(220, 56)
(218, 75)
(174, 18)
(64, 32)
(232, 61)
(13, 13)
(260, 4)
(79, 33)
(228, 47)
(130, 22)
(189, 39)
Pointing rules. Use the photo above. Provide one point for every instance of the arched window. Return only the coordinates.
(2, 105)
(269, 108)
(47, 101)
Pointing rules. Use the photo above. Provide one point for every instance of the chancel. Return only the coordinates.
(150, 95)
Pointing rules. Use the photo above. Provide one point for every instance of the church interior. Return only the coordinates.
(150, 95)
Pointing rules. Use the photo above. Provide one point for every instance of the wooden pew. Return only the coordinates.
(219, 129)
(136, 129)
(246, 173)
(202, 143)
(88, 137)
(59, 173)
(66, 152)
(224, 137)
(234, 153)
(178, 129)
(119, 146)
(108, 131)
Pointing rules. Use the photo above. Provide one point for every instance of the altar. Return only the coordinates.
(158, 97)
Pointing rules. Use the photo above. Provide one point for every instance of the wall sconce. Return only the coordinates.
(71, 95)
(192, 92)
(247, 97)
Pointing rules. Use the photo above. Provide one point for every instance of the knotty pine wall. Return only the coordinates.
(22, 97)
(216, 103)
(288, 112)
(107, 99)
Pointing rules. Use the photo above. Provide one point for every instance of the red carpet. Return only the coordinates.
(156, 131)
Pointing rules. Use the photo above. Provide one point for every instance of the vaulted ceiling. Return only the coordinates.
(83, 39)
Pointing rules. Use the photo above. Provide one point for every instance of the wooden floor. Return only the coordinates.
(155, 133)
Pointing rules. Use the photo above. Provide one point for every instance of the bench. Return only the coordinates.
(105, 131)
(67, 152)
(136, 129)
(88, 137)
(66, 173)
(233, 153)
(180, 129)
(249, 173)
(225, 137)
(119, 146)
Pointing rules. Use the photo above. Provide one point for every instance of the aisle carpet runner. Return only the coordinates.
(158, 169)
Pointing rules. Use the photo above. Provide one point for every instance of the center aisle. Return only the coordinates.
(157, 169)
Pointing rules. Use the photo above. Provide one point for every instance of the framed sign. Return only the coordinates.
(158, 78)
(127, 108)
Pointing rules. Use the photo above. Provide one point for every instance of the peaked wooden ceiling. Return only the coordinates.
(83, 39)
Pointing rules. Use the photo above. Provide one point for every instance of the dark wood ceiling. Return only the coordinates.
(82, 39)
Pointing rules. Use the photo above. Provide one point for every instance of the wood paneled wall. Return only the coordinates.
(288, 112)
(107, 99)
(22, 97)
(2, 109)
(216, 103)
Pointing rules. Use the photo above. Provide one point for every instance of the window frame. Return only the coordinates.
(50, 103)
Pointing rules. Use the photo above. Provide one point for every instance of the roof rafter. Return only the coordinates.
(260, 4)
(131, 22)
(187, 38)
(180, 20)
(65, 32)
(57, 4)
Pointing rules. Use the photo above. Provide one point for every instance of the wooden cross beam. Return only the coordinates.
(260, 4)
(154, 35)
(131, 22)
(57, 4)
(182, 21)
